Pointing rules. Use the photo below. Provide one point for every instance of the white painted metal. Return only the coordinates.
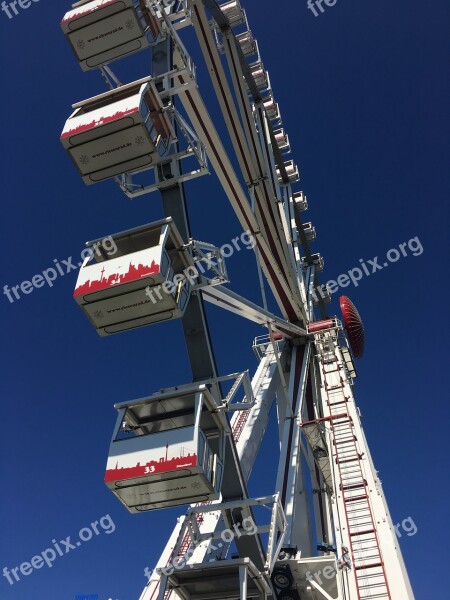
(273, 264)
(325, 464)
(290, 466)
(229, 300)
(265, 186)
(247, 525)
(248, 431)
(362, 519)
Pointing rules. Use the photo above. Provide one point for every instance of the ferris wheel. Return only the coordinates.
(326, 531)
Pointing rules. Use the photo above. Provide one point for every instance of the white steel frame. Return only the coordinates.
(313, 483)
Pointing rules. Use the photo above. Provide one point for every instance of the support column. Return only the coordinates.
(195, 326)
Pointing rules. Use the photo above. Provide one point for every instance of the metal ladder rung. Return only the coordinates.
(371, 580)
(332, 371)
(346, 441)
(356, 498)
(354, 486)
(348, 460)
(369, 566)
(330, 404)
(343, 422)
(351, 482)
(364, 532)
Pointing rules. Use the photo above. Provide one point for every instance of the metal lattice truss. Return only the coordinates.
(316, 434)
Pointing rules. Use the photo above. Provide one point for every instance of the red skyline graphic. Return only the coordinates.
(133, 274)
(87, 10)
(151, 467)
(102, 121)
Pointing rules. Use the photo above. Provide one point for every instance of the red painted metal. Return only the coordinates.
(321, 325)
(364, 498)
(353, 325)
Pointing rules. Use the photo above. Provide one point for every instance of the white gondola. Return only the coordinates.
(121, 131)
(300, 202)
(316, 261)
(102, 31)
(271, 108)
(310, 231)
(247, 43)
(148, 279)
(168, 450)
(291, 170)
(259, 75)
(234, 13)
(282, 139)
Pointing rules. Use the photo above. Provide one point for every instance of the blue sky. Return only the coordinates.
(363, 91)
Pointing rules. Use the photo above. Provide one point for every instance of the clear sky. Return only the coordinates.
(363, 90)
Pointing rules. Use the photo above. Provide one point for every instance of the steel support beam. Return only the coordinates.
(195, 326)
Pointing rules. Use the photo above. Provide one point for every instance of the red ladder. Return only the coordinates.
(368, 566)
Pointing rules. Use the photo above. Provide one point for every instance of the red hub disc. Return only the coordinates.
(353, 325)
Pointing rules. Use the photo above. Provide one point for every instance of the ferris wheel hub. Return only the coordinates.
(353, 325)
